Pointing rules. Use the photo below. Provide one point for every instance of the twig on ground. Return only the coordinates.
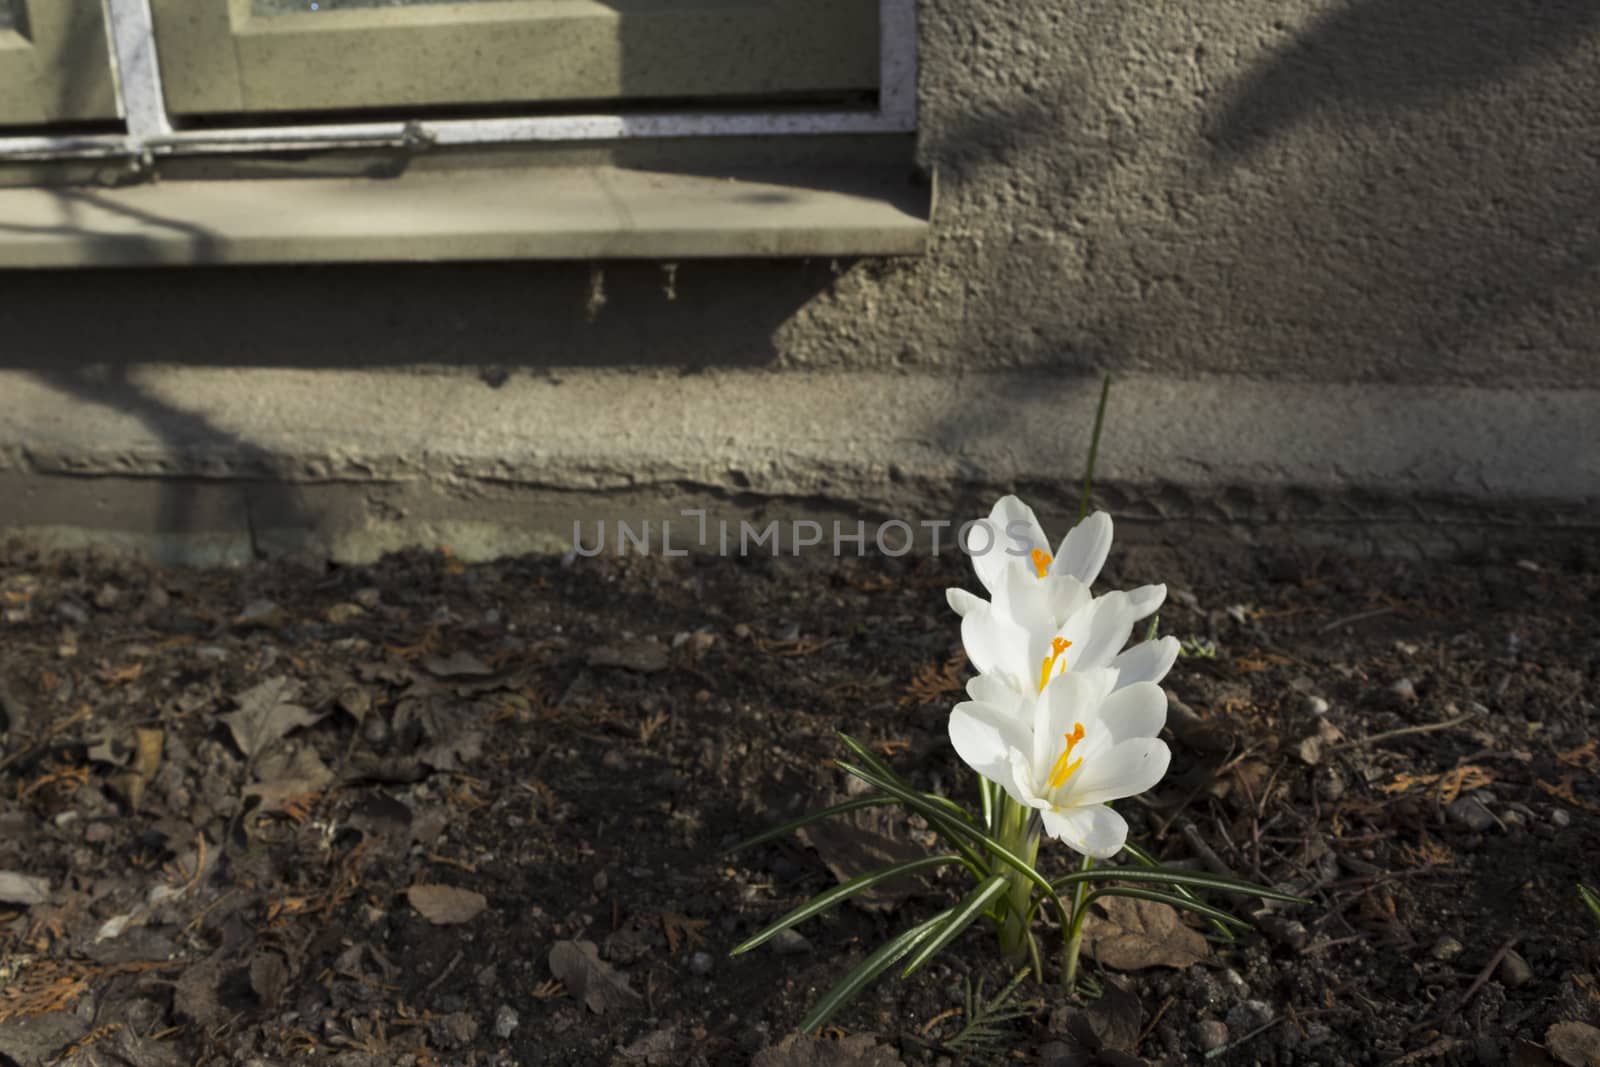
(1404, 731)
(1360, 616)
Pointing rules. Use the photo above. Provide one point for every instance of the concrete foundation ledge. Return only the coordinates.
(212, 465)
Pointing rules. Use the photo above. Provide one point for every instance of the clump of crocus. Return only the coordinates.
(1064, 717)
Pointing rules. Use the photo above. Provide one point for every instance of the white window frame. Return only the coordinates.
(150, 133)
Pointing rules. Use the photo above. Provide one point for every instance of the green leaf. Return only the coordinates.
(1590, 900)
(966, 913)
(873, 801)
(1172, 876)
(886, 956)
(958, 833)
(954, 829)
(823, 901)
(882, 770)
(1172, 900)
(1224, 931)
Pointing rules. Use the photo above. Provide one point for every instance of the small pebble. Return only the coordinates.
(1514, 971)
(1210, 1034)
(701, 963)
(1316, 705)
(1446, 949)
(1471, 813)
(1249, 1015)
(506, 1020)
(1405, 689)
(742, 631)
(790, 943)
(1560, 818)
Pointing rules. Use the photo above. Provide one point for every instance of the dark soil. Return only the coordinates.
(228, 798)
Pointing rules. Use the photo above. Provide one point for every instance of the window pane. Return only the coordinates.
(8, 15)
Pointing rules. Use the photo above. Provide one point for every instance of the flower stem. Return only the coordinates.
(1080, 912)
(1018, 834)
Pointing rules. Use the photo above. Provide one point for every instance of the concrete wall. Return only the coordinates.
(1341, 255)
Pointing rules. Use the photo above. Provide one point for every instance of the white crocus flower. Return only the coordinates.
(1011, 544)
(1024, 658)
(1067, 750)
(1038, 598)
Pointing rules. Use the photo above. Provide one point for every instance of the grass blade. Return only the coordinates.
(886, 956)
(823, 901)
(804, 820)
(1172, 877)
(965, 914)
(1094, 447)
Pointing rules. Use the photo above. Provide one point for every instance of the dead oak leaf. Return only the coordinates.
(679, 930)
(267, 713)
(578, 966)
(1130, 934)
(289, 784)
(445, 905)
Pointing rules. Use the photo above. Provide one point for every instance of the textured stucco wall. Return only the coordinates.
(1331, 190)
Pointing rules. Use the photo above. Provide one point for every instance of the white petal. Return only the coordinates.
(1069, 699)
(986, 545)
(983, 739)
(1083, 551)
(1138, 710)
(961, 601)
(993, 689)
(1095, 830)
(995, 644)
(1066, 595)
(1120, 771)
(1146, 662)
(1024, 784)
(1018, 528)
(1021, 595)
(1147, 599)
(1098, 632)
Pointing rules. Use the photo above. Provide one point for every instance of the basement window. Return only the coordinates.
(156, 132)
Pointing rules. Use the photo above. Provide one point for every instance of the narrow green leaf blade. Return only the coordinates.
(965, 914)
(872, 801)
(1173, 900)
(1175, 877)
(886, 956)
(823, 901)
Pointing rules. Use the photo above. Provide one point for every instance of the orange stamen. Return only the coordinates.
(1058, 647)
(1066, 766)
(1041, 561)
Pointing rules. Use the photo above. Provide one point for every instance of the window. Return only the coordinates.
(296, 130)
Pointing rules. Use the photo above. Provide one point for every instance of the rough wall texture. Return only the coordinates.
(1400, 197)
(1328, 190)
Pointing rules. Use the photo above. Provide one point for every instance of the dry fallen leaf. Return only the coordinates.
(289, 783)
(867, 840)
(147, 748)
(1574, 1044)
(445, 905)
(601, 989)
(1131, 934)
(267, 713)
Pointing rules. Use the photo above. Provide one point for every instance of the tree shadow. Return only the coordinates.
(1370, 58)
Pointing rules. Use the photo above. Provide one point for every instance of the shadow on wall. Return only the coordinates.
(1370, 58)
